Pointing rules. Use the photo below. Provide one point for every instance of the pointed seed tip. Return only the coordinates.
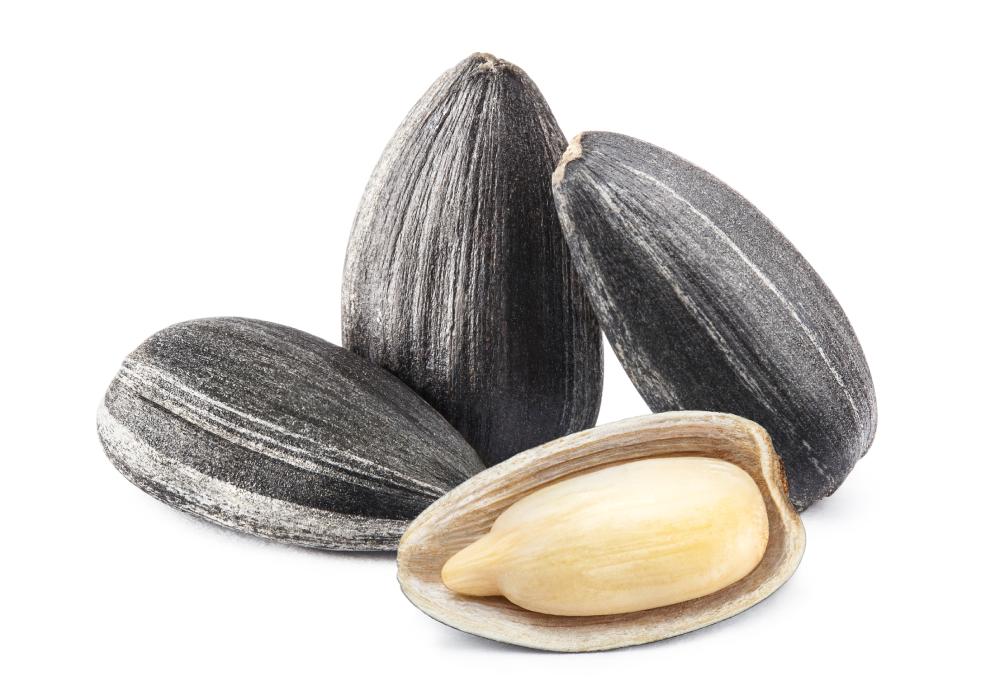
(487, 61)
(573, 151)
(469, 571)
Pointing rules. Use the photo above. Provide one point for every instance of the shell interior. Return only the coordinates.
(468, 512)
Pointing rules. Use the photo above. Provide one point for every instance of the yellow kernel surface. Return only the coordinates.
(627, 537)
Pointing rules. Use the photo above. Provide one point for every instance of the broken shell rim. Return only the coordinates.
(498, 619)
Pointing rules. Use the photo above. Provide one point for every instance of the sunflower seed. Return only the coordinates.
(504, 498)
(277, 433)
(457, 278)
(627, 537)
(709, 307)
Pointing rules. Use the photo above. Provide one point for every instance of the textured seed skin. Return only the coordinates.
(709, 307)
(457, 279)
(628, 537)
(277, 433)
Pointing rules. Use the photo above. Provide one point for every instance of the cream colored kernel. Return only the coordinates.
(623, 538)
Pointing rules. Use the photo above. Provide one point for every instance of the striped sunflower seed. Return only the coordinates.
(457, 278)
(708, 306)
(274, 432)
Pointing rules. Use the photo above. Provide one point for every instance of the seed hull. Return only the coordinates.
(457, 278)
(277, 433)
(467, 513)
(709, 307)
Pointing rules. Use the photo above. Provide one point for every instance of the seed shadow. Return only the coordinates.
(285, 547)
(846, 501)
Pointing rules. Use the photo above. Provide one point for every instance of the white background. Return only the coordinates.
(166, 161)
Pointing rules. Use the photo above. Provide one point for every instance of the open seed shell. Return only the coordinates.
(468, 512)
(274, 432)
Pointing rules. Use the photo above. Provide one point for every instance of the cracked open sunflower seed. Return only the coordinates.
(274, 432)
(627, 533)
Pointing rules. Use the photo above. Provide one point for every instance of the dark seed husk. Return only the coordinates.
(277, 433)
(709, 307)
(457, 278)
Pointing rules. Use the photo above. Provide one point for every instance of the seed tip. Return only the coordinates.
(486, 61)
(470, 572)
(573, 151)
